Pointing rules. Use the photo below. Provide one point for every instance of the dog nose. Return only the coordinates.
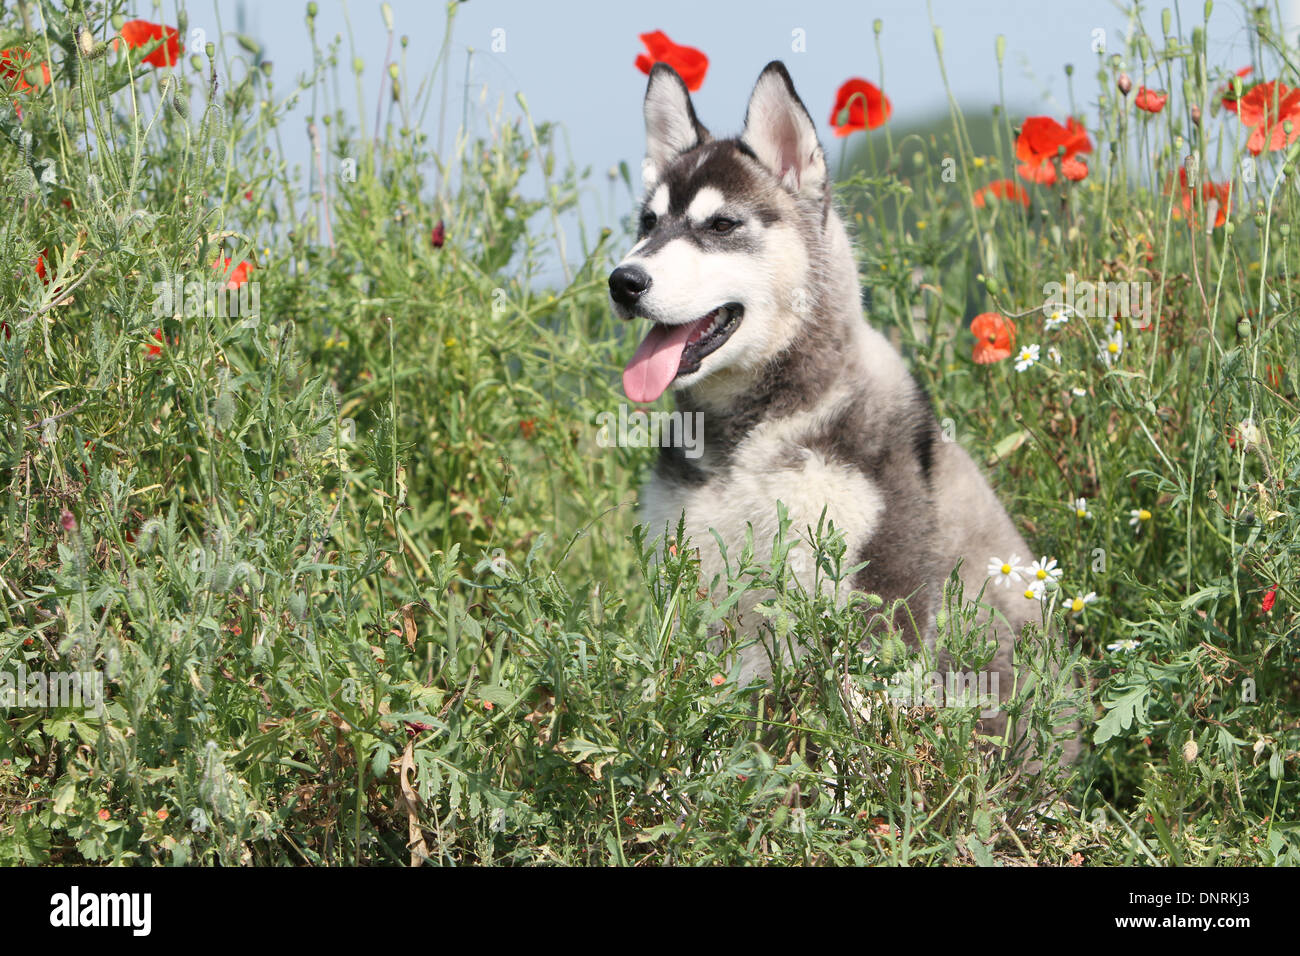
(627, 284)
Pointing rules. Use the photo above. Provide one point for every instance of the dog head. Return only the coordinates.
(723, 267)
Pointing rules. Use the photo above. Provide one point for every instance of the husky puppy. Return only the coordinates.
(745, 282)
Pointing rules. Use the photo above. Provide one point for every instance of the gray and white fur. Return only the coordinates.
(802, 400)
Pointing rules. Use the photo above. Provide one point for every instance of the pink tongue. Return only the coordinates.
(655, 364)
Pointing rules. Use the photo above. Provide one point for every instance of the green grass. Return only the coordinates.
(364, 586)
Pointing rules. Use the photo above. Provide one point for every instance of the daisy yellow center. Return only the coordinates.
(1080, 512)
(1076, 605)
(1029, 594)
(1144, 515)
(1042, 575)
(1006, 569)
(1113, 348)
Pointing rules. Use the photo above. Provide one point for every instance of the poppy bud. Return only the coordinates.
(1190, 750)
(85, 40)
(1125, 84)
(1196, 114)
(439, 235)
(1243, 327)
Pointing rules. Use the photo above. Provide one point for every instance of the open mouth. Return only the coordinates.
(672, 350)
(708, 334)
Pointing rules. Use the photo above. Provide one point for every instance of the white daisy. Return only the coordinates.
(1043, 572)
(1128, 644)
(1081, 601)
(1028, 356)
(1034, 591)
(1112, 348)
(1137, 517)
(1005, 573)
(1081, 508)
(1056, 319)
(1054, 354)
(1078, 392)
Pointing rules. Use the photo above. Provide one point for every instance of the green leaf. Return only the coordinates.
(1121, 713)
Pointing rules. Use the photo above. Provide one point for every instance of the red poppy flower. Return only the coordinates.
(143, 34)
(1220, 193)
(1039, 144)
(155, 350)
(528, 428)
(439, 235)
(13, 70)
(690, 63)
(1267, 107)
(1267, 604)
(1006, 189)
(867, 107)
(1230, 98)
(993, 337)
(105, 816)
(1150, 100)
(237, 277)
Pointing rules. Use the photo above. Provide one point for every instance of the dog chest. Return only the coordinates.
(746, 494)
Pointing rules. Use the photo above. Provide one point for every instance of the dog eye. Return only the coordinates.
(648, 220)
(722, 225)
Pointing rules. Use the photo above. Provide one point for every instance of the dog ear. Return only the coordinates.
(781, 133)
(670, 124)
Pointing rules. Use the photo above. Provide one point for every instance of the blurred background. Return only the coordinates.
(574, 64)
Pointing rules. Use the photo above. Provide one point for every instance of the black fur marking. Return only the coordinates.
(674, 466)
(924, 431)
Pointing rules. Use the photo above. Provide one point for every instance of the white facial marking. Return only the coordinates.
(659, 201)
(649, 173)
(705, 205)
